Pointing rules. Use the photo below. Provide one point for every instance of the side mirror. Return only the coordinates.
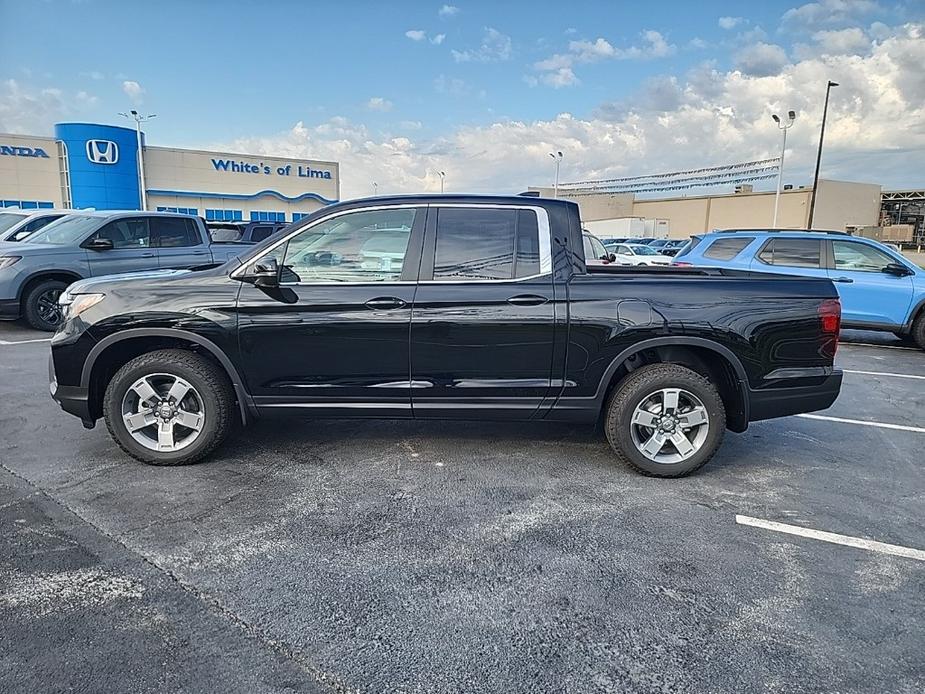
(612, 257)
(99, 244)
(263, 273)
(897, 269)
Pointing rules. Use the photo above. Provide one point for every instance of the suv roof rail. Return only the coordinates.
(778, 231)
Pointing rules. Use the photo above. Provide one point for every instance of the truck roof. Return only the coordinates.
(459, 199)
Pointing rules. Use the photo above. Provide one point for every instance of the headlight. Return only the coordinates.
(75, 304)
(7, 260)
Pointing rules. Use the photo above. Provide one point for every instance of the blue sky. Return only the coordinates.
(433, 74)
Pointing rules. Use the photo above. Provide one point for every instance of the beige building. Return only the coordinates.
(838, 205)
(94, 165)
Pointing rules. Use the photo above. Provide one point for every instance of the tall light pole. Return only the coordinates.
(791, 116)
(375, 189)
(825, 112)
(557, 156)
(442, 175)
(139, 119)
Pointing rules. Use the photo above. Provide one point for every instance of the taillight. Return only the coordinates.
(830, 323)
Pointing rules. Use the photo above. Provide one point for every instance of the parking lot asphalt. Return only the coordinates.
(373, 556)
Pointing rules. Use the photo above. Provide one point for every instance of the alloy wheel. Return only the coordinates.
(48, 308)
(669, 425)
(163, 412)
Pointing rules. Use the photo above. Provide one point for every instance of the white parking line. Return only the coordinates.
(24, 342)
(870, 344)
(835, 538)
(882, 373)
(863, 423)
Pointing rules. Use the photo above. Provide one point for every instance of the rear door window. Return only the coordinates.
(174, 232)
(727, 249)
(792, 253)
(486, 244)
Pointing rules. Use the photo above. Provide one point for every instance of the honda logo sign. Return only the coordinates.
(102, 151)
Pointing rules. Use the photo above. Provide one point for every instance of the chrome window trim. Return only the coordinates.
(543, 232)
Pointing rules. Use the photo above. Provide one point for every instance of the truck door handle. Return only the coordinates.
(200, 252)
(846, 280)
(385, 302)
(527, 300)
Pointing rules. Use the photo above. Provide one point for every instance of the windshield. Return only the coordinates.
(9, 219)
(66, 231)
(644, 250)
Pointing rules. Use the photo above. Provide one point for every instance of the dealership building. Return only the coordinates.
(91, 165)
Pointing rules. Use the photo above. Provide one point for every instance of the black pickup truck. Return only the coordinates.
(445, 307)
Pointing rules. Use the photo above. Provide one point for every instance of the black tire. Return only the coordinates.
(635, 389)
(212, 386)
(35, 305)
(918, 330)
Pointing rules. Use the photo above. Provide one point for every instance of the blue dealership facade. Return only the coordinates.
(92, 165)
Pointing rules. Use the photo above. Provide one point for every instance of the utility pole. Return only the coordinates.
(791, 116)
(442, 175)
(825, 112)
(139, 119)
(557, 156)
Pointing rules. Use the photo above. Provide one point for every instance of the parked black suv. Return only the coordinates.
(445, 307)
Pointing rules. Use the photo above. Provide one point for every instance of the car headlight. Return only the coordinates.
(75, 304)
(7, 260)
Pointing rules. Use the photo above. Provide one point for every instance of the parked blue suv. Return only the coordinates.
(879, 288)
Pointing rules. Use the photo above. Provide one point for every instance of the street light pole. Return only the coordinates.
(138, 118)
(375, 189)
(442, 175)
(825, 112)
(791, 116)
(557, 156)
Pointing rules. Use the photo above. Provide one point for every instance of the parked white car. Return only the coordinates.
(638, 254)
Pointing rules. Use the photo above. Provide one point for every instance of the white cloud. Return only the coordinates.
(730, 22)
(378, 103)
(448, 11)
(438, 39)
(826, 13)
(842, 41)
(411, 125)
(698, 43)
(761, 59)
(133, 91)
(876, 130)
(416, 34)
(562, 77)
(558, 68)
(495, 47)
(93, 75)
(29, 110)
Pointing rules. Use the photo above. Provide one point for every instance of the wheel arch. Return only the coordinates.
(711, 359)
(137, 341)
(68, 276)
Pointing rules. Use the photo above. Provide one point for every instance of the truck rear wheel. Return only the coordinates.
(169, 407)
(40, 305)
(665, 420)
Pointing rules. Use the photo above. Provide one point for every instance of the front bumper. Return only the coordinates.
(769, 403)
(72, 399)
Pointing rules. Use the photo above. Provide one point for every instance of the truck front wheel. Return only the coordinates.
(665, 420)
(169, 407)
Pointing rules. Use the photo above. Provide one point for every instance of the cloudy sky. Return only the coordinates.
(485, 90)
